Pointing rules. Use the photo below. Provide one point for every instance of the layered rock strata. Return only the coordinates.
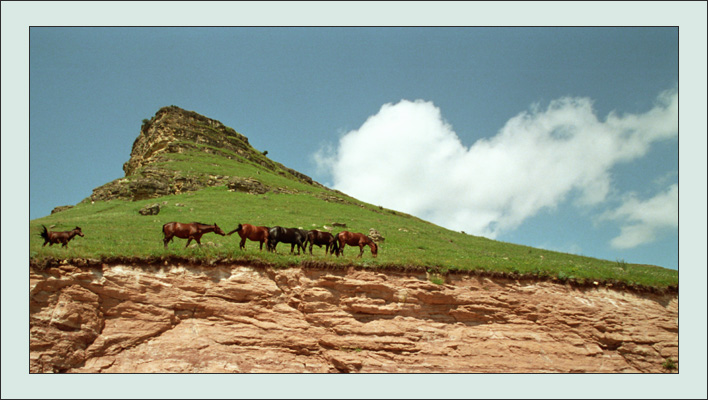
(229, 318)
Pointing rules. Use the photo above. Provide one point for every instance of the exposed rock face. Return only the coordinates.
(172, 124)
(60, 209)
(180, 318)
(152, 209)
(248, 185)
(174, 130)
(375, 235)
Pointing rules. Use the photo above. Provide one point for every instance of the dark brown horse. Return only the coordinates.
(59, 237)
(194, 230)
(251, 232)
(355, 239)
(319, 238)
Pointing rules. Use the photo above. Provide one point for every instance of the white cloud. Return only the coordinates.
(406, 157)
(643, 220)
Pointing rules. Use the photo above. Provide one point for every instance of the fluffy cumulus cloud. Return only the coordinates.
(406, 157)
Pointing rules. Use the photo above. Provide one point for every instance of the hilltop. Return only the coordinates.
(172, 132)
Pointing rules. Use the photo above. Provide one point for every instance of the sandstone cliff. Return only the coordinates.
(179, 317)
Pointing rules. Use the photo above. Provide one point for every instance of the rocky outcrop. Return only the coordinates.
(150, 209)
(155, 182)
(375, 235)
(174, 130)
(60, 209)
(177, 317)
(247, 185)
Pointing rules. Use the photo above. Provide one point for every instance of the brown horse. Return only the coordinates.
(194, 230)
(355, 239)
(251, 232)
(59, 237)
(319, 238)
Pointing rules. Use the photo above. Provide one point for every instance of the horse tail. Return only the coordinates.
(44, 234)
(335, 245)
(235, 230)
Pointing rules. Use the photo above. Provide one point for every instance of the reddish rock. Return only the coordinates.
(132, 319)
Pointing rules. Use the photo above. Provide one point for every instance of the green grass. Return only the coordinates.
(669, 364)
(115, 229)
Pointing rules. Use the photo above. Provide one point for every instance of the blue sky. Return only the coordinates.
(312, 97)
(300, 93)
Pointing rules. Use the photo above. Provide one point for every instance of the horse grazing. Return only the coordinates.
(59, 237)
(251, 232)
(293, 236)
(194, 230)
(319, 238)
(355, 239)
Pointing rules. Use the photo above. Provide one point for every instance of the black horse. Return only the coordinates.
(293, 236)
(319, 238)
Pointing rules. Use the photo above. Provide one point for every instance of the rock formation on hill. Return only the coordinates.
(174, 130)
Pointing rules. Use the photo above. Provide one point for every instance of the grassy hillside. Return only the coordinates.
(114, 228)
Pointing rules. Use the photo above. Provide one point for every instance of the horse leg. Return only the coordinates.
(341, 249)
(361, 250)
(242, 245)
(189, 239)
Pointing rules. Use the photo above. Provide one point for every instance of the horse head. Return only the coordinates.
(78, 231)
(218, 230)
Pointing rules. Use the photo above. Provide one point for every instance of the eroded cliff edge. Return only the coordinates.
(187, 318)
